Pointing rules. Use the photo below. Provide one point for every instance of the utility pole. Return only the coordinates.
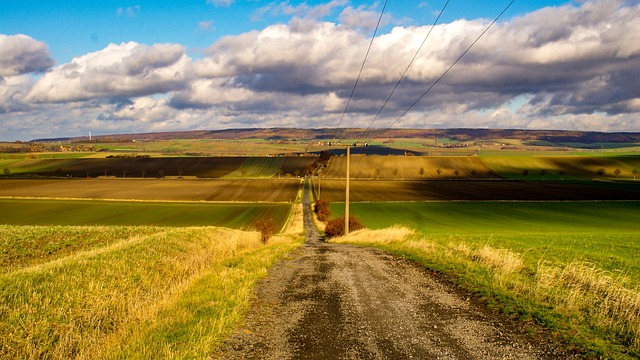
(346, 201)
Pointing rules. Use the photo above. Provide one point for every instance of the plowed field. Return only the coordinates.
(413, 190)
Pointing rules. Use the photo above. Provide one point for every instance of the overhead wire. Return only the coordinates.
(404, 74)
(449, 68)
(335, 134)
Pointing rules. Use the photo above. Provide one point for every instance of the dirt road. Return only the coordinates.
(342, 302)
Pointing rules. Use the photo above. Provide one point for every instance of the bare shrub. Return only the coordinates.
(322, 210)
(335, 227)
(267, 227)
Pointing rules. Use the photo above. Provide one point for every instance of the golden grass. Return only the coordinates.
(171, 294)
(598, 306)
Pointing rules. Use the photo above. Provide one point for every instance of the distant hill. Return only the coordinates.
(553, 136)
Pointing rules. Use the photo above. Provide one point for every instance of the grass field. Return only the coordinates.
(243, 190)
(90, 212)
(571, 266)
(122, 292)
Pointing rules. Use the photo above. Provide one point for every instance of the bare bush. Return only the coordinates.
(335, 227)
(267, 227)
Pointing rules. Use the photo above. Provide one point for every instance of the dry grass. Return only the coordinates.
(600, 308)
(171, 294)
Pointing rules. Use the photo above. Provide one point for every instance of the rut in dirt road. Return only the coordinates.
(343, 302)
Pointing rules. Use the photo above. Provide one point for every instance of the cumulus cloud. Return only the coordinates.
(116, 72)
(584, 62)
(21, 54)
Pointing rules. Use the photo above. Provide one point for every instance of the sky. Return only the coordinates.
(68, 68)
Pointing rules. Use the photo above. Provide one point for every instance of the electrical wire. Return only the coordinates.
(361, 69)
(406, 70)
(450, 67)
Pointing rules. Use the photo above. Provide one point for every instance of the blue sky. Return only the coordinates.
(67, 67)
(74, 27)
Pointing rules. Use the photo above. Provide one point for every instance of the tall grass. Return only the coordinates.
(172, 293)
(597, 310)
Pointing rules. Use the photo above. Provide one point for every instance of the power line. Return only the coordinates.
(407, 69)
(449, 69)
(361, 69)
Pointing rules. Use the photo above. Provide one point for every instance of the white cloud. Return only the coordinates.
(116, 72)
(130, 11)
(220, 3)
(21, 54)
(205, 25)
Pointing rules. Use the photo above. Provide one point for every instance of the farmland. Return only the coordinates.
(503, 165)
(243, 190)
(136, 213)
(429, 190)
(132, 165)
(533, 227)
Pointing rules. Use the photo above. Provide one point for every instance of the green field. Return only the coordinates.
(95, 212)
(605, 233)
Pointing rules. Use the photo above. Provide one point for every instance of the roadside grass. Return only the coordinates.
(570, 266)
(141, 293)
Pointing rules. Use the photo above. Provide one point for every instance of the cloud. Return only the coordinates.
(583, 63)
(302, 11)
(116, 72)
(220, 3)
(205, 25)
(21, 54)
(130, 11)
(579, 71)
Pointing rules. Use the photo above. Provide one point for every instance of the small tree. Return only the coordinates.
(335, 227)
(421, 171)
(601, 172)
(438, 171)
(617, 172)
(267, 227)
(456, 172)
(525, 172)
(634, 172)
(6, 171)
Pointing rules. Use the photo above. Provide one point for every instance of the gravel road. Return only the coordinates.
(331, 301)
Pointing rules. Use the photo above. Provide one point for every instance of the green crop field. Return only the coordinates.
(606, 233)
(90, 212)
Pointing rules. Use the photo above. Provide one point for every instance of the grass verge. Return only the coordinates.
(167, 293)
(596, 310)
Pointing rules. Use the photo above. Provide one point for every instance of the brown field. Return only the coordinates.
(480, 167)
(242, 190)
(407, 167)
(416, 190)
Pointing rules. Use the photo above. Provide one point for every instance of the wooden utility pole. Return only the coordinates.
(346, 201)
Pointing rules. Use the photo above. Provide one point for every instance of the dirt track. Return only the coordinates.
(342, 302)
